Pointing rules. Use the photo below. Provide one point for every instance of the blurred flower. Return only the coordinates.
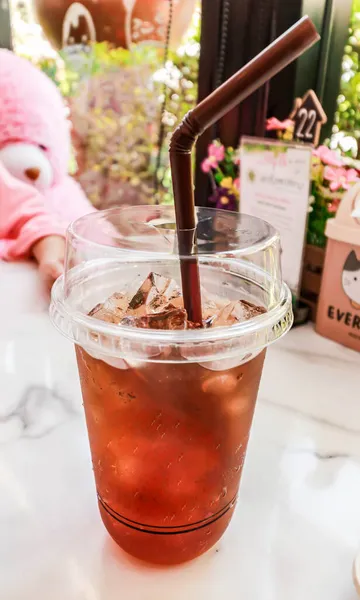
(227, 183)
(340, 177)
(274, 124)
(222, 164)
(208, 164)
(288, 135)
(216, 151)
(333, 206)
(327, 156)
(224, 198)
(317, 170)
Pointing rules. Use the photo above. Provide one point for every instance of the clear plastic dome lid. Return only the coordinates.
(153, 229)
(110, 254)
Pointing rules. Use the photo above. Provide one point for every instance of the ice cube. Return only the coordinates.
(210, 306)
(236, 406)
(228, 363)
(236, 312)
(220, 385)
(117, 302)
(117, 363)
(173, 318)
(153, 295)
(112, 310)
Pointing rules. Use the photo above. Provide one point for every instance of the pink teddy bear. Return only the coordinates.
(38, 199)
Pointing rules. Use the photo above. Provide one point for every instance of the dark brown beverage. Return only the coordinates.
(168, 443)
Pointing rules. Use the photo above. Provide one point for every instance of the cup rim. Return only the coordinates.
(59, 312)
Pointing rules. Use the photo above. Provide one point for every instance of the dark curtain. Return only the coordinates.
(233, 31)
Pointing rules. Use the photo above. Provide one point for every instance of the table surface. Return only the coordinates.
(297, 525)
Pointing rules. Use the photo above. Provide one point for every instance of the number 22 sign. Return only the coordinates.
(308, 116)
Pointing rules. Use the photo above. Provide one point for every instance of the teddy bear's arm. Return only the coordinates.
(24, 219)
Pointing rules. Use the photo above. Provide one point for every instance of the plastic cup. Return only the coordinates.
(169, 412)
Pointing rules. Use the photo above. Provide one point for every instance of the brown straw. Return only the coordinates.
(258, 71)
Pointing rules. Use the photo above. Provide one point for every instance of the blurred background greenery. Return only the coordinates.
(346, 131)
(121, 151)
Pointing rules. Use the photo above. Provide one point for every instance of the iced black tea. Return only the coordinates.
(168, 443)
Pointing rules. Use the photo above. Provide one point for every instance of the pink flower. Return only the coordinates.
(274, 124)
(237, 183)
(208, 164)
(328, 157)
(333, 207)
(340, 178)
(217, 151)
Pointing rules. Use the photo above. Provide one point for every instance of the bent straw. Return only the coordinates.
(258, 71)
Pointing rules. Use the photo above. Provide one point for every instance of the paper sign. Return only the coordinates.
(275, 181)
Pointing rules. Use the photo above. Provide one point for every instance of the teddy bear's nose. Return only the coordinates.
(32, 173)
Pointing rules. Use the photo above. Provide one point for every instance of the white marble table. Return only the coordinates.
(297, 525)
